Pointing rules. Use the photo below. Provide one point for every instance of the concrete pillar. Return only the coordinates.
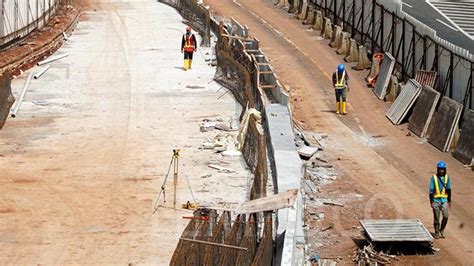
(353, 53)
(326, 31)
(364, 62)
(345, 43)
(336, 38)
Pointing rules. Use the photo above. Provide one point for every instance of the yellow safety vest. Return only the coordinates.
(340, 83)
(440, 193)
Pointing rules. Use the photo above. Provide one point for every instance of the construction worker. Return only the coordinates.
(188, 46)
(440, 198)
(340, 80)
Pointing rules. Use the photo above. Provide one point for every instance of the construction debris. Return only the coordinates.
(333, 204)
(368, 256)
(307, 152)
(220, 168)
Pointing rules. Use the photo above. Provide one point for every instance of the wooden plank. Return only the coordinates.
(269, 203)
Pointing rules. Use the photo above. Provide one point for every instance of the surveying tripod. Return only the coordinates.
(175, 164)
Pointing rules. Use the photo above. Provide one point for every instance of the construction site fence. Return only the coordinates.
(265, 89)
(6, 97)
(18, 18)
(196, 15)
(382, 26)
(225, 240)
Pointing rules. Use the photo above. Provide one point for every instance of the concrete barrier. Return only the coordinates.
(318, 21)
(294, 6)
(283, 3)
(345, 44)
(336, 38)
(310, 17)
(353, 53)
(304, 10)
(326, 31)
(364, 62)
(393, 89)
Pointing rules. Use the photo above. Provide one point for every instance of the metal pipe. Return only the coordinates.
(51, 59)
(41, 72)
(22, 95)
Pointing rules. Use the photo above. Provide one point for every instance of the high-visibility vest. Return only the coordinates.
(189, 43)
(440, 193)
(340, 82)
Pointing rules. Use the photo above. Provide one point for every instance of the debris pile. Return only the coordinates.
(368, 256)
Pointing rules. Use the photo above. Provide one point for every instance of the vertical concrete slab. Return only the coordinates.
(465, 149)
(445, 123)
(423, 111)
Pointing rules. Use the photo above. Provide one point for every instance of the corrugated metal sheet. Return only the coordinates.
(404, 102)
(460, 13)
(410, 230)
(384, 76)
(426, 78)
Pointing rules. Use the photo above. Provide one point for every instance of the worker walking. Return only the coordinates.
(340, 82)
(188, 46)
(440, 198)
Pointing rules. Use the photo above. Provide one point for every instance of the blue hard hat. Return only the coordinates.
(340, 67)
(441, 164)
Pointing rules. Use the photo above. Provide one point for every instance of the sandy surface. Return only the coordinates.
(82, 164)
(380, 171)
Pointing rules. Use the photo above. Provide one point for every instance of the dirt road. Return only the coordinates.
(378, 160)
(83, 162)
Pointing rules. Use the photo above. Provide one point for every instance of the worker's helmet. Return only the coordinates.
(441, 164)
(340, 68)
(188, 29)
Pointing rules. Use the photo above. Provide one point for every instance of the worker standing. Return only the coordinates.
(188, 46)
(340, 80)
(440, 198)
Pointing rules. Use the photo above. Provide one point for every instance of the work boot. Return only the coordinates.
(437, 235)
(344, 108)
(185, 67)
(441, 234)
(338, 107)
(190, 63)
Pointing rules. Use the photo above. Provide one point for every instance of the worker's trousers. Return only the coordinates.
(188, 55)
(440, 208)
(341, 95)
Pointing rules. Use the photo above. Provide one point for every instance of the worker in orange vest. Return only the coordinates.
(188, 46)
(440, 198)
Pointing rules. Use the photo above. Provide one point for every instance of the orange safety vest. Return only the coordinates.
(440, 193)
(340, 83)
(188, 43)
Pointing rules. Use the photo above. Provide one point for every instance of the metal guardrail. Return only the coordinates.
(382, 27)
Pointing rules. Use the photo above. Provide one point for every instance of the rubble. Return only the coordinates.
(368, 256)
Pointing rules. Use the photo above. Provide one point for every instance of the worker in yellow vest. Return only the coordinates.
(188, 47)
(340, 80)
(440, 198)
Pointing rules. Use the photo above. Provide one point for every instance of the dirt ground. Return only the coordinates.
(83, 162)
(382, 171)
